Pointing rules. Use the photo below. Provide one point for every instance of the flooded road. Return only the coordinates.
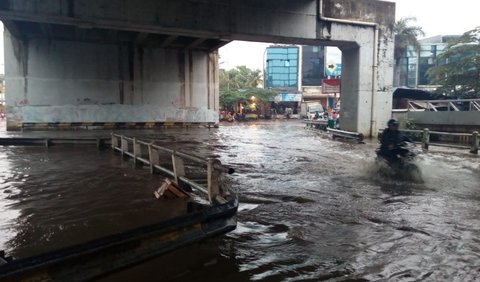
(311, 209)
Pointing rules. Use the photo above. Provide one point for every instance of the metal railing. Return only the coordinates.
(462, 139)
(336, 133)
(442, 105)
(316, 124)
(150, 154)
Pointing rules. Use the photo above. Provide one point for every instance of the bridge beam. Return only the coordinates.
(54, 81)
(150, 60)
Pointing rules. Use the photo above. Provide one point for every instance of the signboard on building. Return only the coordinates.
(287, 97)
(330, 86)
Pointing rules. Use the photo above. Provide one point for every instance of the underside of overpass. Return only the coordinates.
(156, 62)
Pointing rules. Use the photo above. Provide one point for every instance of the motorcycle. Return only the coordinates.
(400, 164)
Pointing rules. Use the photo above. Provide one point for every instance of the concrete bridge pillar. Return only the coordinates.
(366, 99)
(366, 42)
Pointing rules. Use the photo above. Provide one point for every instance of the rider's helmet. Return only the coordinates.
(392, 121)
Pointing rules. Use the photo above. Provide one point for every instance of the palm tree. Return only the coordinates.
(405, 35)
(239, 84)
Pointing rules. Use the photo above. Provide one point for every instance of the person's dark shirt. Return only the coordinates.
(391, 138)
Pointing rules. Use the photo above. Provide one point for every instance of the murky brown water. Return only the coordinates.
(311, 208)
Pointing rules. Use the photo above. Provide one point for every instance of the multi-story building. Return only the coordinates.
(281, 67)
(313, 65)
(297, 73)
(315, 70)
(281, 74)
(413, 68)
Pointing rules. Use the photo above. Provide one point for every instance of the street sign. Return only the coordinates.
(333, 69)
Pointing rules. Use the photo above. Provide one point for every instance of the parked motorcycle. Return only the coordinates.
(400, 163)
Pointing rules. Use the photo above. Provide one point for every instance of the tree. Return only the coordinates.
(405, 35)
(460, 75)
(239, 85)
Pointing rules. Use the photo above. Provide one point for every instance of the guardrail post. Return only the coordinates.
(154, 158)
(178, 167)
(474, 149)
(137, 150)
(212, 178)
(114, 141)
(124, 144)
(426, 138)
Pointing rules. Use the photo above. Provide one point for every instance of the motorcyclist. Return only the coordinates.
(390, 140)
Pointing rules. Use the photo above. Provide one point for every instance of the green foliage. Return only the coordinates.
(461, 73)
(410, 124)
(240, 77)
(405, 35)
(239, 85)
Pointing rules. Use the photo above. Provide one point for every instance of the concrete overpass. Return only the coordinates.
(150, 62)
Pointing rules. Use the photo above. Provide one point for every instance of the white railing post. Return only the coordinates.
(426, 138)
(124, 145)
(178, 167)
(154, 158)
(114, 141)
(137, 150)
(213, 179)
(474, 149)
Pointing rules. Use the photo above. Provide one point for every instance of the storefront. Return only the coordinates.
(287, 103)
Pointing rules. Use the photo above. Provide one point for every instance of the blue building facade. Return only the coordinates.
(281, 68)
(281, 74)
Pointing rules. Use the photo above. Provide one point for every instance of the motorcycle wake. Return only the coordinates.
(402, 166)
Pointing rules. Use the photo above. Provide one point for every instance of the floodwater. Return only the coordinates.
(311, 209)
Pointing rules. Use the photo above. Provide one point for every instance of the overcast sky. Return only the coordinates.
(436, 17)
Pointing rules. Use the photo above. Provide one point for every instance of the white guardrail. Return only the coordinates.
(150, 154)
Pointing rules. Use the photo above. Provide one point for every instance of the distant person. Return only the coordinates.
(334, 115)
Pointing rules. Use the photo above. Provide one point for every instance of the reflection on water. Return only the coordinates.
(311, 208)
(70, 195)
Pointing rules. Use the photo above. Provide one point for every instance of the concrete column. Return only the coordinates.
(367, 74)
(16, 78)
(350, 88)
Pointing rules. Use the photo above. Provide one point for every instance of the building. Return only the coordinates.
(282, 74)
(313, 65)
(298, 74)
(413, 68)
(316, 71)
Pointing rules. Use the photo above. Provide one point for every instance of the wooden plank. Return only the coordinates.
(170, 190)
